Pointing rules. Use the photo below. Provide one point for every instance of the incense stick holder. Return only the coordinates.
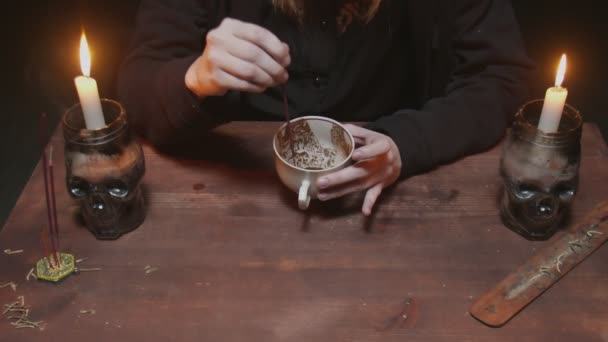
(55, 268)
(540, 172)
(104, 169)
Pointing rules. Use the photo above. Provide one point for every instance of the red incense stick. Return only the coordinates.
(44, 244)
(287, 122)
(55, 227)
(46, 184)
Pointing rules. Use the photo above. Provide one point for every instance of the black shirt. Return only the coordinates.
(441, 78)
(357, 75)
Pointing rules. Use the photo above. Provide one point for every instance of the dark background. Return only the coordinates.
(40, 59)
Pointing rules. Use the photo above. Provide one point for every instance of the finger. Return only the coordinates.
(376, 146)
(370, 199)
(358, 132)
(228, 81)
(248, 51)
(262, 38)
(242, 69)
(359, 141)
(360, 170)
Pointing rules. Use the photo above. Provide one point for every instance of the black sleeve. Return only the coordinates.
(169, 36)
(487, 84)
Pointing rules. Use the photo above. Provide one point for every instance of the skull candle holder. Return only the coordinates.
(540, 172)
(104, 168)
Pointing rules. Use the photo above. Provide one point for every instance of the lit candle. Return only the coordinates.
(87, 90)
(555, 99)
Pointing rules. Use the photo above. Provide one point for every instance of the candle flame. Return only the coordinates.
(85, 56)
(561, 72)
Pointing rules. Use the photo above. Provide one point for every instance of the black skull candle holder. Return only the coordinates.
(104, 168)
(540, 172)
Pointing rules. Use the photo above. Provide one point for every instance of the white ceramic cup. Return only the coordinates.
(321, 146)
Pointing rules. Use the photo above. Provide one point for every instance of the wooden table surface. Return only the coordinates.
(236, 260)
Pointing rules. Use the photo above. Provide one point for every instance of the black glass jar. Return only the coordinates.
(540, 172)
(104, 169)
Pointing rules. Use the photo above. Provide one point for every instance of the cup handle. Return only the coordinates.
(304, 195)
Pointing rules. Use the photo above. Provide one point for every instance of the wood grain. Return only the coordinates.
(522, 286)
(237, 261)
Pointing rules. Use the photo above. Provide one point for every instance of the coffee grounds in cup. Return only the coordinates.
(310, 154)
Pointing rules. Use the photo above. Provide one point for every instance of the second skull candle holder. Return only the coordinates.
(540, 172)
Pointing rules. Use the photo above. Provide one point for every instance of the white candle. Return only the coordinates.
(87, 90)
(555, 100)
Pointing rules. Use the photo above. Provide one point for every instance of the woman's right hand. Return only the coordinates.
(238, 56)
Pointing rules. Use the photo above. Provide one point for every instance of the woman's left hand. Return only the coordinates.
(377, 165)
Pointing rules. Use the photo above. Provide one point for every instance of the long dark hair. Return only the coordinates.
(363, 10)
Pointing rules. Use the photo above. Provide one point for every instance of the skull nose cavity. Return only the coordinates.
(545, 207)
(98, 206)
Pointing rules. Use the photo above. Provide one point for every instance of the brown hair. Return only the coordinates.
(362, 10)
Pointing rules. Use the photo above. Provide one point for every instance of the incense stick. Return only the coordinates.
(46, 186)
(287, 121)
(55, 227)
(44, 243)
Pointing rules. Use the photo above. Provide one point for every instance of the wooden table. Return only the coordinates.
(236, 260)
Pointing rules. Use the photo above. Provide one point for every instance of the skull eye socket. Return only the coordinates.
(118, 189)
(525, 191)
(565, 191)
(78, 187)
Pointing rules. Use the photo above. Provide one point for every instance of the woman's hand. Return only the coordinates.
(238, 56)
(377, 165)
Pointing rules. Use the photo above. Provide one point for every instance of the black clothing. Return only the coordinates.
(441, 78)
